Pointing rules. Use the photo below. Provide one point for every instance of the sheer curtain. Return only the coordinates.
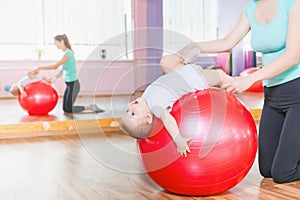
(30, 25)
(20, 22)
(189, 20)
(88, 22)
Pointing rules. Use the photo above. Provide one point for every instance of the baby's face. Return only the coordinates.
(138, 112)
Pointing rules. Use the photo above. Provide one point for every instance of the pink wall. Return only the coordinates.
(148, 40)
(140, 42)
(96, 77)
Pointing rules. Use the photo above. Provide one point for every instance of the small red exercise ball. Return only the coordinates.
(223, 145)
(40, 98)
(257, 86)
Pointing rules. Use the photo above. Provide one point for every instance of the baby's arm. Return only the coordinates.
(214, 77)
(172, 127)
(21, 85)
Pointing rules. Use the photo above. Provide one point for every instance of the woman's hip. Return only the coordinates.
(286, 94)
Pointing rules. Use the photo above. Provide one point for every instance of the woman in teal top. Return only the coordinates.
(68, 64)
(275, 30)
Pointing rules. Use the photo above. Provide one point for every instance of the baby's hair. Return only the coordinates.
(135, 131)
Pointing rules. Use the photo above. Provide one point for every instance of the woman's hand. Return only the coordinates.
(237, 84)
(32, 74)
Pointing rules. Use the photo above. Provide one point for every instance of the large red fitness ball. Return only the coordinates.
(40, 98)
(257, 86)
(223, 145)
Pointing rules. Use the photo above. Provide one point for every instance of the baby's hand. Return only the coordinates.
(182, 146)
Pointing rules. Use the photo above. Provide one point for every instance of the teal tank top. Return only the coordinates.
(69, 67)
(270, 39)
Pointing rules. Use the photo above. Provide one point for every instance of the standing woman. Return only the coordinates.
(70, 76)
(276, 33)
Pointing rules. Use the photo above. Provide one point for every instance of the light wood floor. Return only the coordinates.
(96, 167)
(15, 123)
(114, 106)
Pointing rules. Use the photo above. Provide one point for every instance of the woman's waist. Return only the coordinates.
(287, 90)
(72, 82)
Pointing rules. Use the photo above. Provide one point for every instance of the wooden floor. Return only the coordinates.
(114, 106)
(94, 167)
(87, 157)
(16, 123)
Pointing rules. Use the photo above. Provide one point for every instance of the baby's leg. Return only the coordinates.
(171, 62)
(214, 77)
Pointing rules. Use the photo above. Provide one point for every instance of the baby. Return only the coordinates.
(30, 78)
(159, 97)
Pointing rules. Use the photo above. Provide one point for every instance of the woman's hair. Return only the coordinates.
(65, 39)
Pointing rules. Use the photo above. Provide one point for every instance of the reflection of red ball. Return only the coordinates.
(223, 147)
(40, 98)
(257, 86)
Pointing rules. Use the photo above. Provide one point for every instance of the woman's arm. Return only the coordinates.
(172, 128)
(222, 45)
(279, 65)
(56, 75)
(188, 53)
(51, 67)
(56, 65)
(53, 78)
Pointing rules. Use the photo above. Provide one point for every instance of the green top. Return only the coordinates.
(270, 39)
(69, 67)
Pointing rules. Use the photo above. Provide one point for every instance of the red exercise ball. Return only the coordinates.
(40, 98)
(223, 147)
(257, 86)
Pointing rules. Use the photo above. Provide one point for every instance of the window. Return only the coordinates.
(195, 20)
(31, 25)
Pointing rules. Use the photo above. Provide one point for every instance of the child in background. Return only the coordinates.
(30, 78)
(159, 97)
